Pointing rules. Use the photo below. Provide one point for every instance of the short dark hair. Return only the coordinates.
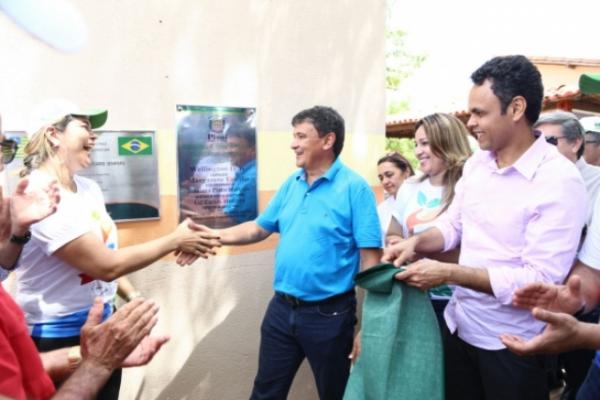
(243, 132)
(325, 120)
(398, 160)
(513, 76)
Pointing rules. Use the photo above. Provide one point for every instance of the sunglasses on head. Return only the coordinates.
(553, 139)
(9, 150)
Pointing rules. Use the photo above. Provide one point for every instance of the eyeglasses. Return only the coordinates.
(592, 141)
(554, 139)
(9, 149)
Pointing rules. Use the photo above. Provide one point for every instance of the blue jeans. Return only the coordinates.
(590, 388)
(323, 333)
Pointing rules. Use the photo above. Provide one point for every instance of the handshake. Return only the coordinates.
(193, 241)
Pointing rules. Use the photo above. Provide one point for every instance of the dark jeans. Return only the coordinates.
(110, 390)
(576, 363)
(590, 389)
(439, 305)
(323, 333)
(472, 373)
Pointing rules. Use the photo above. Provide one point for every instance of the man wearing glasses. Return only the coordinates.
(9, 149)
(563, 129)
(591, 126)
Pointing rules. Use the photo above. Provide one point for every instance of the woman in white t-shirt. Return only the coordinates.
(392, 170)
(72, 257)
(442, 148)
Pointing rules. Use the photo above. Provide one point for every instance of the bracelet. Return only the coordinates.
(20, 239)
(74, 357)
(134, 295)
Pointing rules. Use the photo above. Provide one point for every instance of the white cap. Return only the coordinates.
(52, 111)
(590, 124)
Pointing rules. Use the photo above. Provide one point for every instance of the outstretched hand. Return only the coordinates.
(558, 298)
(203, 242)
(145, 351)
(561, 334)
(30, 206)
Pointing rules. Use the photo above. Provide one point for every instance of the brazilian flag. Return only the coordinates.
(135, 146)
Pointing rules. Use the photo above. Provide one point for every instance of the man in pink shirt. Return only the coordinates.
(517, 215)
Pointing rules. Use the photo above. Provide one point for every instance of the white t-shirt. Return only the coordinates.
(590, 251)
(591, 178)
(417, 205)
(47, 287)
(385, 210)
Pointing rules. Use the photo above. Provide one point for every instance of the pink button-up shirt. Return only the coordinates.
(523, 224)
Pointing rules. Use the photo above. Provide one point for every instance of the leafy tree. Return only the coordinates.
(404, 146)
(399, 63)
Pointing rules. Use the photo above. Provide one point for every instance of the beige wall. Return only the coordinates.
(142, 58)
(554, 75)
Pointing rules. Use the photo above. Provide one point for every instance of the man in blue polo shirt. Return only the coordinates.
(242, 203)
(327, 220)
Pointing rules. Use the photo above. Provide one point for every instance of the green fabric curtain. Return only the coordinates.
(402, 355)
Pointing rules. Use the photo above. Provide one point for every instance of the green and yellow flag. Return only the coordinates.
(135, 146)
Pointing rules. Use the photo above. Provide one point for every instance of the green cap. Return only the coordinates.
(589, 83)
(54, 110)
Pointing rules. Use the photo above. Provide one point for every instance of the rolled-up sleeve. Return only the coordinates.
(551, 237)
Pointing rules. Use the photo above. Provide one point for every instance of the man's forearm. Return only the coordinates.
(588, 335)
(245, 233)
(472, 278)
(369, 257)
(85, 383)
(56, 364)
(429, 241)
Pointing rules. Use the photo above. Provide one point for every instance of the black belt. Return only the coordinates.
(299, 302)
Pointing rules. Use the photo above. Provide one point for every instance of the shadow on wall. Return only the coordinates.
(213, 353)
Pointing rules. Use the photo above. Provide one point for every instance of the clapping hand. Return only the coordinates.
(116, 342)
(30, 206)
(566, 298)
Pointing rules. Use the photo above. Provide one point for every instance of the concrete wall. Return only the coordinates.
(143, 58)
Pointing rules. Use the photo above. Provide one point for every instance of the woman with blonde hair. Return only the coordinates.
(442, 148)
(72, 257)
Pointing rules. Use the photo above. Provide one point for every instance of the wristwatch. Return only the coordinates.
(21, 239)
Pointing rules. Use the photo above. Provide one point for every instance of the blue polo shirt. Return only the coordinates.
(242, 204)
(321, 227)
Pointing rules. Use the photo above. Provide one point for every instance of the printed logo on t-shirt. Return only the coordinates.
(428, 211)
(85, 278)
(106, 230)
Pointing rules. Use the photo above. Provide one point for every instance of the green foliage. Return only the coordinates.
(399, 63)
(397, 106)
(404, 146)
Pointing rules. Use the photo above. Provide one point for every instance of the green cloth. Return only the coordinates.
(442, 291)
(402, 356)
(589, 83)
